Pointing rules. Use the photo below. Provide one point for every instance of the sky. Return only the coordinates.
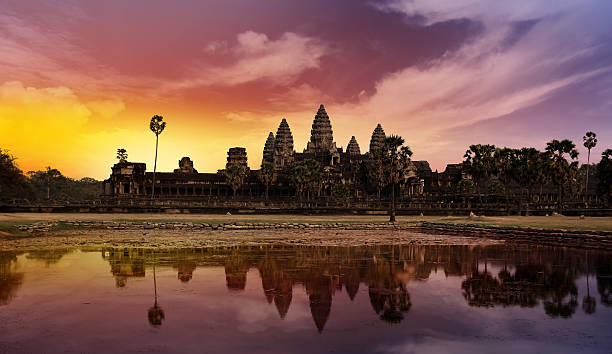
(80, 79)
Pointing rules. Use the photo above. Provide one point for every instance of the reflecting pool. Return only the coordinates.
(388, 299)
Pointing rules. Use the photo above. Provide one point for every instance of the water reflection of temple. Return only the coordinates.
(493, 276)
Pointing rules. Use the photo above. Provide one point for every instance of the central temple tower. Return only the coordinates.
(321, 135)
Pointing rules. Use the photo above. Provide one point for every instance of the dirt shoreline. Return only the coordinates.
(36, 231)
(234, 238)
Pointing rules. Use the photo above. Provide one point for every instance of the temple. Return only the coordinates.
(131, 180)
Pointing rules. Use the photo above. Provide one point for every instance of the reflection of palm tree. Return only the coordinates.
(156, 313)
(588, 302)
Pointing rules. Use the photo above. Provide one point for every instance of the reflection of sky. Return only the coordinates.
(74, 305)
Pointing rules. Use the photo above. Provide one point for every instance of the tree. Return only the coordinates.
(48, 178)
(465, 186)
(526, 168)
(12, 180)
(157, 126)
(122, 155)
(560, 166)
(604, 174)
(396, 160)
(505, 164)
(267, 175)
(376, 173)
(590, 141)
(340, 193)
(235, 176)
(480, 163)
(155, 314)
(306, 176)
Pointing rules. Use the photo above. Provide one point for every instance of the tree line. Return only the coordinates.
(42, 185)
(494, 170)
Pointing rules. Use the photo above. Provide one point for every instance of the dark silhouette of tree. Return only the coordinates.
(267, 175)
(560, 166)
(10, 279)
(376, 173)
(122, 155)
(340, 193)
(396, 160)
(306, 176)
(480, 163)
(590, 141)
(604, 174)
(588, 302)
(155, 314)
(12, 180)
(157, 126)
(466, 186)
(235, 176)
(49, 177)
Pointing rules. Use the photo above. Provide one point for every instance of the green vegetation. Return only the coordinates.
(395, 159)
(306, 176)
(267, 175)
(43, 185)
(235, 176)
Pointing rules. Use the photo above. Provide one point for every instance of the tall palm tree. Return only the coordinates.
(267, 175)
(560, 167)
(590, 141)
(157, 126)
(235, 176)
(156, 314)
(396, 159)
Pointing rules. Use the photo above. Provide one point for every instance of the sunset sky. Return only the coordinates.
(79, 79)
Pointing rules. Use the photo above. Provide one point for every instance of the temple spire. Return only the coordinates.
(378, 139)
(353, 147)
(321, 134)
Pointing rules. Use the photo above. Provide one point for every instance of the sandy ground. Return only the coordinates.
(553, 222)
(232, 238)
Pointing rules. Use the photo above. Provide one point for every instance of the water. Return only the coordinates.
(387, 299)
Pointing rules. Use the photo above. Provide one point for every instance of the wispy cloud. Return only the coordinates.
(257, 57)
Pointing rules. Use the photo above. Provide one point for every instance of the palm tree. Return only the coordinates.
(267, 175)
(588, 302)
(157, 126)
(156, 314)
(122, 155)
(604, 173)
(306, 175)
(480, 163)
(235, 175)
(376, 173)
(590, 141)
(396, 159)
(560, 167)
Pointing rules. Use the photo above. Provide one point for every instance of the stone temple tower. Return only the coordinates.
(268, 151)
(352, 147)
(378, 139)
(321, 135)
(283, 145)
